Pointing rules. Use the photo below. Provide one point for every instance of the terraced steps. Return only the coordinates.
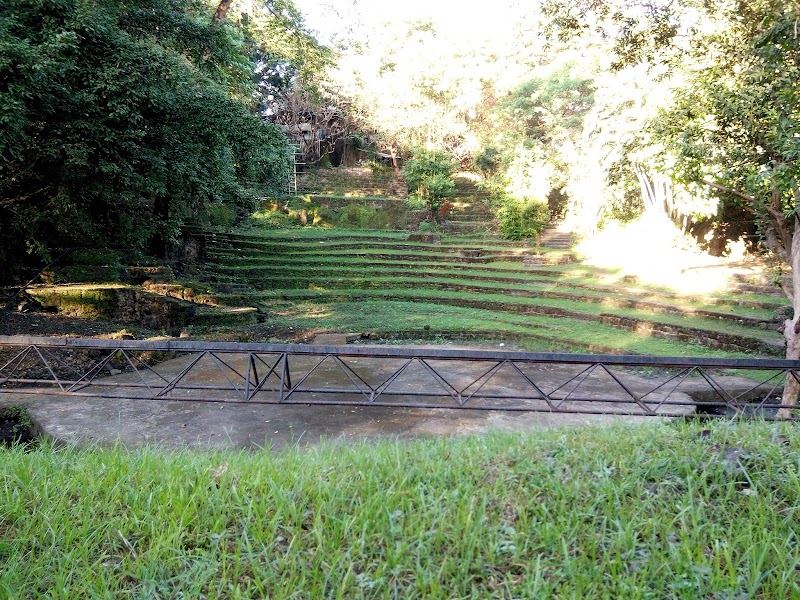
(397, 318)
(482, 252)
(317, 256)
(352, 181)
(576, 276)
(260, 275)
(764, 319)
(309, 236)
(722, 335)
(469, 217)
(555, 236)
(481, 276)
(342, 246)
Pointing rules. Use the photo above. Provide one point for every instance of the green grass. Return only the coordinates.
(344, 278)
(320, 268)
(576, 276)
(587, 308)
(388, 317)
(656, 511)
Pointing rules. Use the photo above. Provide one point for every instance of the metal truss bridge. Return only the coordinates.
(385, 376)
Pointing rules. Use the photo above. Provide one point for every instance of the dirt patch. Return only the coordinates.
(51, 324)
(16, 426)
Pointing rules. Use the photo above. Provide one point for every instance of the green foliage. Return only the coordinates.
(361, 217)
(679, 510)
(496, 187)
(285, 52)
(94, 256)
(429, 173)
(271, 219)
(220, 215)
(547, 107)
(415, 203)
(491, 161)
(118, 122)
(736, 124)
(523, 218)
(18, 425)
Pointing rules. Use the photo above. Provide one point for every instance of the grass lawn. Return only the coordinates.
(519, 303)
(660, 510)
(388, 317)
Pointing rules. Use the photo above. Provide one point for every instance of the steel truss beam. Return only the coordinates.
(197, 371)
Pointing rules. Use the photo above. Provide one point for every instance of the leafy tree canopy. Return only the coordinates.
(119, 120)
(734, 121)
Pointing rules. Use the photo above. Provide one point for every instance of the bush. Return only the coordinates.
(524, 218)
(361, 217)
(396, 214)
(120, 121)
(427, 226)
(491, 161)
(220, 215)
(94, 256)
(323, 217)
(414, 203)
(271, 219)
(429, 173)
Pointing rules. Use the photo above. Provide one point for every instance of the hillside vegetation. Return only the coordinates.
(273, 278)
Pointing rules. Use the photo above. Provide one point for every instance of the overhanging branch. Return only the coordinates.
(728, 190)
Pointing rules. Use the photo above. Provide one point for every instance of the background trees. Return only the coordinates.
(118, 121)
(732, 123)
(429, 176)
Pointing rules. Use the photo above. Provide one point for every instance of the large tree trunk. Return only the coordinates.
(222, 10)
(791, 327)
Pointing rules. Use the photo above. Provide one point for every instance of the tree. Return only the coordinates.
(286, 56)
(736, 129)
(430, 173)
(734, 125)
(543, 123)
(409, 88)
(118, 121)
(315, 126)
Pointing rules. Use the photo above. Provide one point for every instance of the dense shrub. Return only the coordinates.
(361, 217)
(491, 161)
(120, 120)
(220, 215)
(429, 175)
(522, 218)
(323, 217)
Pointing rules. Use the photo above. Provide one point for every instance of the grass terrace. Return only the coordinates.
(466, 286)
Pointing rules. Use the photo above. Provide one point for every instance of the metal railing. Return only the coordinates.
(385, 376)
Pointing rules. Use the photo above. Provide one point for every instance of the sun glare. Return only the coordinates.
(656, 253)
(451, 17)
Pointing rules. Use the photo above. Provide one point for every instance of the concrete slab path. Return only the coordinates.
(177, 424)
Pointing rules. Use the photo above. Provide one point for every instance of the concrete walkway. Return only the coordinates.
(176, 424)
(202, 425)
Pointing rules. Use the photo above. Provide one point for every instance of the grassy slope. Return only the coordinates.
(369, 315)
(314, 279)
(662, 510)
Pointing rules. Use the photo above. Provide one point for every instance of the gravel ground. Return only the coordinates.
(49, 324)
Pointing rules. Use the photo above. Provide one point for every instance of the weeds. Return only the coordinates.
(679, 511)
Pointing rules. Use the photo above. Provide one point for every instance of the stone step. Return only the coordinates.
(553, 236)
(467, 226)
(758, 341)
(472, 217)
